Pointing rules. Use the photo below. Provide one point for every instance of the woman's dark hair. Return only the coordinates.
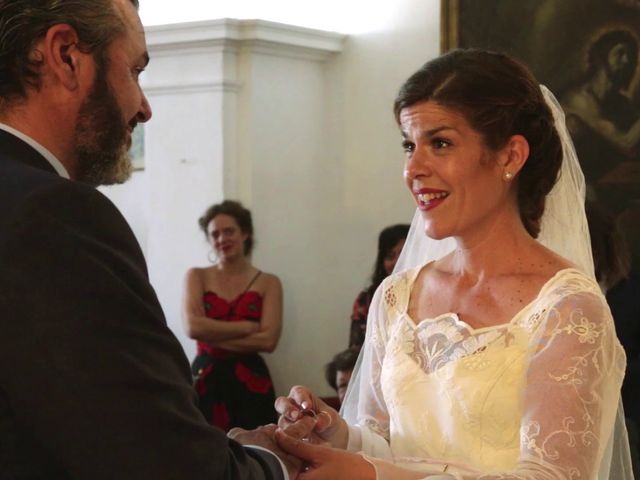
(388, 238)
(234, 209)
(499, 97)
(343, 361)
(611, 257)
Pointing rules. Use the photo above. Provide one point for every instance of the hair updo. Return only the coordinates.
(499, 97)
(240, 214)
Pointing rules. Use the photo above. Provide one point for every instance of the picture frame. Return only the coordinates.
(136, 150)
(571, 45)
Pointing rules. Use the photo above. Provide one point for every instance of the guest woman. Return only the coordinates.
(492, 354)
(390, 243)
(234, 311)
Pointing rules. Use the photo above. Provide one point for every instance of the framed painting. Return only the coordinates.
(586, 52)
(136, 151)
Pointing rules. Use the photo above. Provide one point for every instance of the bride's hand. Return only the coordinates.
(330, 427)
(323, 462)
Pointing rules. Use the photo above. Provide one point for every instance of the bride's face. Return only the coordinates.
(456, 181)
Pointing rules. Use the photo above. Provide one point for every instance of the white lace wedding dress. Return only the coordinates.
(535, 398)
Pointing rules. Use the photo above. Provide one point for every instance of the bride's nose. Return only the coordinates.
(417, 164)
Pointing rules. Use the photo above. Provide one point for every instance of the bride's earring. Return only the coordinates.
(508, 176)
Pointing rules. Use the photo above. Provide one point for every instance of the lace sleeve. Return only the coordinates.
(364, 407)
(572, 391)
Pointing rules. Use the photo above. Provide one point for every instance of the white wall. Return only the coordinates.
(359, 191)
(306, 138)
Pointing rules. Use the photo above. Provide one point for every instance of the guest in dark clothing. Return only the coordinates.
(622, 286)
(338, 372)
(234, 311)
(390, 243)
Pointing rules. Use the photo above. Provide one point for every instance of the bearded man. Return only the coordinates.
(602, 119)
(93, 385)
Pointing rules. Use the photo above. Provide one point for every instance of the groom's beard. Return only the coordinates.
(101, 137)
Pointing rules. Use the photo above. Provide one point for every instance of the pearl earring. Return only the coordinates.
(508, 176)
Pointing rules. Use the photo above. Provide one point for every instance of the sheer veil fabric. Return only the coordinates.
(564, 230)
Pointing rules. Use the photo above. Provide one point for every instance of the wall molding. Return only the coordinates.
(186, 88)
(231, 35)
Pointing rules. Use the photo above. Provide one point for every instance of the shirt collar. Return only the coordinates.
(50, 157)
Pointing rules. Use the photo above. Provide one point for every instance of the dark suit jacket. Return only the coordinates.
(93, 385)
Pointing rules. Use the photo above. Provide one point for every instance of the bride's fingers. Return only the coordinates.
(302, 396)
(324, 420)
(283, 422)
(298, 448)
(302, 428)
(287, 408)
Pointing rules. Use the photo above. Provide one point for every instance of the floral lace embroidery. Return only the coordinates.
(580, 325)
(531, 321)
(390, 296)
(433, 345)
(375, 427)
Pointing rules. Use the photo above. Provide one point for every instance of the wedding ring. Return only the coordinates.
(309, 412)
(327, 414)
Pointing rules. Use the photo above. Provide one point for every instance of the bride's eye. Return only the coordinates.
(408, 146)
(440, 143)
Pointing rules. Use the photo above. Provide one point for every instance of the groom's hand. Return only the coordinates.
(265, 437)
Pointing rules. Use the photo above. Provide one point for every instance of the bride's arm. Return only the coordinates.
(363, 423)
(572, 390)
(364, 407)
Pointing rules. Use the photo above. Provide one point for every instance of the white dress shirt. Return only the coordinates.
(50, 157)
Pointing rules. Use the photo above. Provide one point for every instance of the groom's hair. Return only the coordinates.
(24, 22)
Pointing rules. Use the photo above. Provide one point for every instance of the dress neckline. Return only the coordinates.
(234, 299)
(417, 324)
(241, 294)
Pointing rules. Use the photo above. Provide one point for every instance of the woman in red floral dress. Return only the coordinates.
(234, 311)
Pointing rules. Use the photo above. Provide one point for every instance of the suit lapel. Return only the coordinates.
(12, 148)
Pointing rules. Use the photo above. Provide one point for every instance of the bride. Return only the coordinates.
(493, 354)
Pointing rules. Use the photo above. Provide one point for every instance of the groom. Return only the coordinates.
(93, 385)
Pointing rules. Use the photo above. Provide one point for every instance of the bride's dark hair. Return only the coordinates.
(499, 97)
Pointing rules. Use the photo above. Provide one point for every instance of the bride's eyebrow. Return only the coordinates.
(428, 134)
(434, 131)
